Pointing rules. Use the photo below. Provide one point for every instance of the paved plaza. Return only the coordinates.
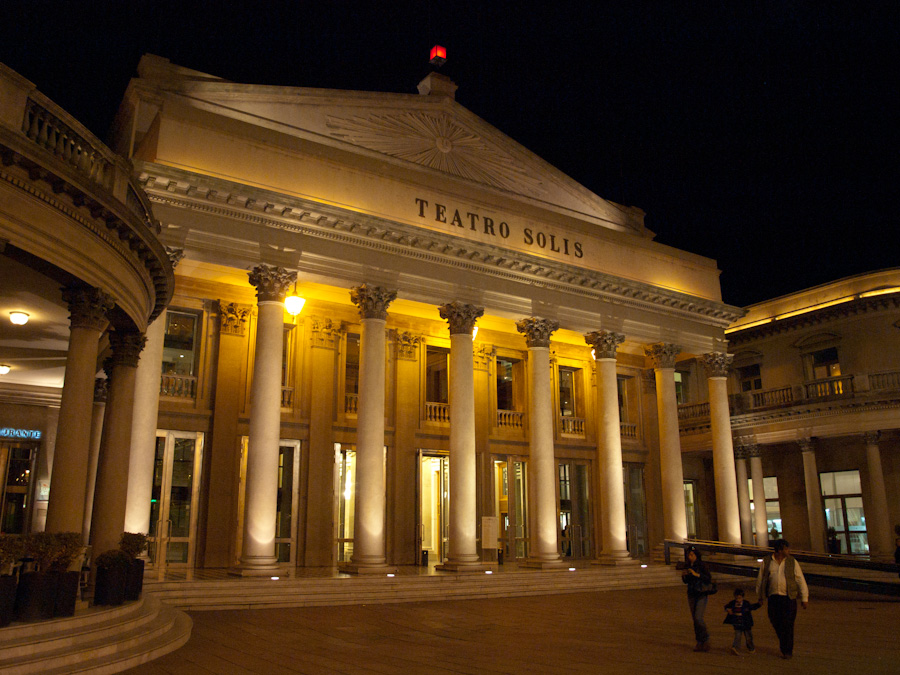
(644, 631)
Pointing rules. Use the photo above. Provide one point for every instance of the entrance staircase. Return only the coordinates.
(96, 640)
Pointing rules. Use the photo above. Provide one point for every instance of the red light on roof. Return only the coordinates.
(438, 55)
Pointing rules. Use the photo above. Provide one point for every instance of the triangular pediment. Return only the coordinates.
(430, 132)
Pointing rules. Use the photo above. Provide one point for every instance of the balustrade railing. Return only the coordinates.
(178, 386)
(830, 386)
(287, 397)
(885, 381)
(691, 411)
(627, 430)
(510, 419)
(437, 412)
(351, 404)
(573, 426)
(772, 397)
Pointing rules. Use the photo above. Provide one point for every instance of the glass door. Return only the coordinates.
(345, 457)
(434, 508)
(173, 501)
(635, 509)
(511, 506)
(844, 514)
(574, 509)
(16, 461)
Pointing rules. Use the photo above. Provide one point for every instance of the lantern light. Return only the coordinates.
(18, 318)
(294, 304)
(438, 56)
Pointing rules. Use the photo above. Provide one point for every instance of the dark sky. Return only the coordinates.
(761, 134)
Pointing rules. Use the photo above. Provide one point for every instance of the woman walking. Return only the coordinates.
(698, 579)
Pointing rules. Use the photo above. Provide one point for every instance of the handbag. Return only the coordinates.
(708, 589)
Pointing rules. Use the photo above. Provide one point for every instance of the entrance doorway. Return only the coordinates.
(635, 509)
(511, 505)
(844, 513)
(16, 469)
(173, 501)
(575, 509)
(434, 510)
(345, 475)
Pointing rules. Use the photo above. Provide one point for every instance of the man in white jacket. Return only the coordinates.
(781, 582)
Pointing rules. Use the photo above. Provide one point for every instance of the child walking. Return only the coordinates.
(739, 613)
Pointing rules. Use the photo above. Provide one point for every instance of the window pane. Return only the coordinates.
(567, 392)
(179, 343)
(351, 374)
(436, 375)
(505, 385)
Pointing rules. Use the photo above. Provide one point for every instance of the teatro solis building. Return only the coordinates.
(486, 369)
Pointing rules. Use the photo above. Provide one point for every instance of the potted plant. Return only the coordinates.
(36, 592)
(112, 573)
(11, 550)
(67, 565)
(133, 544)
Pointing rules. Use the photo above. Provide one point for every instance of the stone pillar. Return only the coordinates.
(544, 518)
(878, 530)
(97, 413)
(87, 308)
(144, 422)
(814, 507)
(369, 526)
(740, 465)
(662, 355)
(716, 364)
(108, 521)
(759, 496)
(463, 551)
(261, 486)
(613, 526)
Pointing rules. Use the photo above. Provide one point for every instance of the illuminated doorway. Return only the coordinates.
(16, 469)
(574, 509)
(174, 498)
(345, 475)
(434, 509)
(511, 506)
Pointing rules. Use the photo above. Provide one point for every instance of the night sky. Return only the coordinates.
(761, 134)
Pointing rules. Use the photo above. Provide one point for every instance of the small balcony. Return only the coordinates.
(510, 419)
(571, 426)
(829, 387)
(178, 386)
(437, 413)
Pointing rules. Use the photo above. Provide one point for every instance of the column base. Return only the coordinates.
(614, 559)
(541, 564)
(258, 570)
(466, 567)
(364, 569)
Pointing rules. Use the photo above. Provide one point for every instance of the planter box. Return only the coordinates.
(134, 584)
(66, 594)
(7, 599)
(36, 596)
(110, 586)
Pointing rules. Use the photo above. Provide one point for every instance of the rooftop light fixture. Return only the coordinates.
(18, 318)
(438, 56)
(4, 369)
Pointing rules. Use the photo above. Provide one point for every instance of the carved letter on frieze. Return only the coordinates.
(372, 301)
(537, 331)
(407, 345)
(460, 316)
(233, 318)
(87, 306)
(662, 354)
(272, 283)
(604, 343)
(717, 363)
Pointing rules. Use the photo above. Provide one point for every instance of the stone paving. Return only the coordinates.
(635, 632)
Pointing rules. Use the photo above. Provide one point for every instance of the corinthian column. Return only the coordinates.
(877, 515)
(87, 319)
(740, 465)
(814, 508)
(716, 364)
(110, 494)
(261, 491)
(760, 515)
(463, 555)
(143, 425)
(544, 550)
(609, 449)
(97, 413)
(369, 527)
(674, 520)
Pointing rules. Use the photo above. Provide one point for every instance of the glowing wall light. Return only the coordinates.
(4, 369)
(18, 318)
(294, 304)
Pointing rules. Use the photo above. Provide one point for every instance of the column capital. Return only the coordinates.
(233, 318)
(175, 255)
(806, 444)
(537, 331)
(754, 450)
(872, 437)
(460, 316)
(604, 343)
(662, 354)
(126, 349)
(87, 306)
(741, 452)
(272, 283)
(716, 363)
(101, 389)
(372, 301)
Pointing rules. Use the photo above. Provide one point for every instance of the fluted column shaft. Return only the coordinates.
(613, 527)
(544, 510)
(143, 429)
(814, 507)
(727, 510)
(369, 524)
(674, 518)
(65, 510)
(261, 487)
(463, 490)
(759, 497)
(877, 518)
(740, 466)
(110, 494)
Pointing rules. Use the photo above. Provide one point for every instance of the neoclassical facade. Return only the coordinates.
(486, 367)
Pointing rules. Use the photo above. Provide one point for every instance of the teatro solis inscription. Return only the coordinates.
(476, 222)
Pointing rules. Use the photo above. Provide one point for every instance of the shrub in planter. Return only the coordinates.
(112, 574)
(67, 564)
(133, 544)
(11, 550)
